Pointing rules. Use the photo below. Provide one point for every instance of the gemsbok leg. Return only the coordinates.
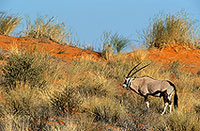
(146, 101)
(170, 102)
(167, 101)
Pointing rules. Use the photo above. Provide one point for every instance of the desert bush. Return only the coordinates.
(96, 85)
(20, 100)
(174, 68)
(139, 53)
(171, 29)
(2, 54)
(29, 67)
(38, 120)
(197, 108)
(103, 109)
(8, 23)
(113, 43)
(66, 100)
(47, 28)
(13, 122)
(86, 76)
(180, 120)
(187, 82)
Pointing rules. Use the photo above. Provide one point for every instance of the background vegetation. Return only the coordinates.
(167, 29)
(40, 92)
(113, 43)
(48, 28)
(8, 23)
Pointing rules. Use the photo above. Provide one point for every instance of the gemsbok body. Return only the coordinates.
(146, 86)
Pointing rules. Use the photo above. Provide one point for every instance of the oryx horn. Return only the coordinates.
(140, 69)
(133, 69)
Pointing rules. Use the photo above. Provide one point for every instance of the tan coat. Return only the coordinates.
(149, 86)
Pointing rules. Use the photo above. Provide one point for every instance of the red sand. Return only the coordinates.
(187, 57)
(64, 52)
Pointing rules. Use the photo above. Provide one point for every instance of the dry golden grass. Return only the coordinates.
(89, 93)
(170, 29)
(46, 28)
(104, 109)
(112, 44)
(181, 120)
(8, 23)
(86, 94)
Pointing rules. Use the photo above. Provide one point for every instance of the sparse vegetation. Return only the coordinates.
(8, 23)
(171, 29)
(88, 90)
(103, 109)
(113, 43)
(26, 67)
(46, 28)
(66, 100)
(180, 121)
(41, 92)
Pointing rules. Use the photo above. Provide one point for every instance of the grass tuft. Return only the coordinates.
(113, 43)
(46, 28)
(23, 67)
(171, 29)
(179, 121)
(8, 23)
(66, 100)
(103, 109)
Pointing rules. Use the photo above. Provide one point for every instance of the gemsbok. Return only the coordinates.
(146, 86)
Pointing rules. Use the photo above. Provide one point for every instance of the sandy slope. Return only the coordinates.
(189, 58)
(64, 52)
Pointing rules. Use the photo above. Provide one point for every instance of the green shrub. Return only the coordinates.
(45, 28)
(29, 67)
(8, 23)
(113, 43)
(171, 29)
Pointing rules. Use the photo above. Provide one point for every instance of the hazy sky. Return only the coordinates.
(88, 19)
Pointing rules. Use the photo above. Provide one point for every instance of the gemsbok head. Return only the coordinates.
(146, 86)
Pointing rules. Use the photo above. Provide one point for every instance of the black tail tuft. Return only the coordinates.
(175, 95)
(175, 100)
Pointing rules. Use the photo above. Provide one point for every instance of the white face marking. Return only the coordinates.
(126, 83)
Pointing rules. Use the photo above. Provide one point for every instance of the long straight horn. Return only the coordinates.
(140, 69)
(133, 69)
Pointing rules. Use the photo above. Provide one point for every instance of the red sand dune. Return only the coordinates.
(64, 52)
(189, 58)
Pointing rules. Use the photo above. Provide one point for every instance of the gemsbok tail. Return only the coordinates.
(175, 99)
(175, 95)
